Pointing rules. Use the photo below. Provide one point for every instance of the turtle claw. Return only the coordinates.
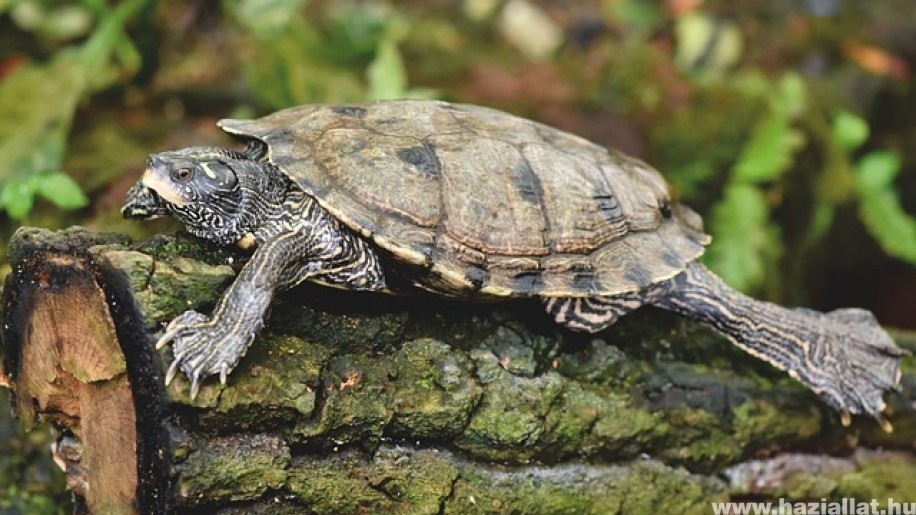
(180, 325)
(165, 339)
(195, 386)
(203, 347)
(173, 369)
(845, 418)
(885, 424)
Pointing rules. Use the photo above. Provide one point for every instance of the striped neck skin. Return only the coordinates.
(218, 194)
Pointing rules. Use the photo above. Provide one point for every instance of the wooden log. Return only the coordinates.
(354, 403)
(65, 341)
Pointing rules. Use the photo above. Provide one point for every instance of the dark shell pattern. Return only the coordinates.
(486, 202)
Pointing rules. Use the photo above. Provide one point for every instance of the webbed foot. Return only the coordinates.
(859, 365)
(203, 346)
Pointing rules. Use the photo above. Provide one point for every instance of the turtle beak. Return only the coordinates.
(143, 203)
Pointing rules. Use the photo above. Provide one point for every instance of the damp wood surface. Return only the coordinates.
(364, 403)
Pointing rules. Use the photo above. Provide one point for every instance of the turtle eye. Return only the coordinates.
(182, 174)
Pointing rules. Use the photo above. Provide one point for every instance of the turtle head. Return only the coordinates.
(199, 186)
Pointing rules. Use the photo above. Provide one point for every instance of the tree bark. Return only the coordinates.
(356, 403)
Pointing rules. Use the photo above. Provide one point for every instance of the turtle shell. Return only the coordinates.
(483, 202)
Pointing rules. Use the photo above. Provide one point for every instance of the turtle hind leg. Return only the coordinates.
(844, 356)
(590, 314)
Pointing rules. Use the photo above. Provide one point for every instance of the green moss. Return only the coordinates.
(601, 364)
(419, 480)
(433, 390)
(395, 480)
(275, 381)
(177, 286)
(333, 485)
(509, 420)
(810, 486)
(165, 289)
(400, 480)
(346, 322)
(356, 396)
(759, 422)
(863, 476)
(137, 266)
(622, 429)
(697, 437)
(233, 469)
(880, 476)
(569, 421)
(638, 487)
(165, 247)
(520, 351)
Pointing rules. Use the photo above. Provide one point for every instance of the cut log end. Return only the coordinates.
(76, 356)
(71, 373)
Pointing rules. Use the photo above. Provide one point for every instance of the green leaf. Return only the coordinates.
(744, 240)
(95, 55)
(769, 151)
(889, 224)
(771, 148)
(387, 76)
(880, 208)
(694, 32)
(849, 130)
(877, 170)
(17, 198)
(706, 45)
(34, 125)
(790, 94)
(356, 30)
(57, 22)
(286, 71)
(822, 216)
(61, 190)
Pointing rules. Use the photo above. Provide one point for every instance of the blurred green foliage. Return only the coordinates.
(750, 145)
(41, 99)
(30, 483)
(745, 238)
(297, 64)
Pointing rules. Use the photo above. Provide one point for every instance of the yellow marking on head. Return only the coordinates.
(246, 242)
(164, 189)
(210, 173)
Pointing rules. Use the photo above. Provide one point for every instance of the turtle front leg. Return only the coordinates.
(209, 345)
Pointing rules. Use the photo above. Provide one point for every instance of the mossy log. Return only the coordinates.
(363, 403)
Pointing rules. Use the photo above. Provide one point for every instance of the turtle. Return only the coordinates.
(470, 202)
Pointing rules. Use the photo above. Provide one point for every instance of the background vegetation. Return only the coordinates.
(788, 124)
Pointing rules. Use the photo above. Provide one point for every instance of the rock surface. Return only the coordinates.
(367, 403)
